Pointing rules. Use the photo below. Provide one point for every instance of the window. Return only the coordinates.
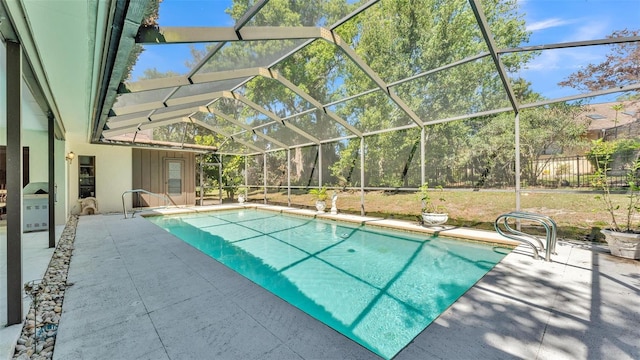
(174, 177)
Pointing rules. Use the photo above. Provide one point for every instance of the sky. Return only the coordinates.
(554, 21)
(550, 21)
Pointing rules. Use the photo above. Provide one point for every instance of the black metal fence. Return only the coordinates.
(570, 172)
(550, 172)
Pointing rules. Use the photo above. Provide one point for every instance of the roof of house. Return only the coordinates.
(603, 116)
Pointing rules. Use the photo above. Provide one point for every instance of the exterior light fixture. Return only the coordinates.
(70, 156)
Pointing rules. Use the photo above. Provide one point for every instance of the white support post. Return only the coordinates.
(517, 170)
(362, 212)
(246, 177)
(201, 179)
(220, 177)
(265, 177)
(423, 173)
(319, 165)
(289, 177)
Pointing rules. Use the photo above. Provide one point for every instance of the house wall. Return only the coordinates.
(112, 171)
(39, 167)
(149, 174)
(36, 141)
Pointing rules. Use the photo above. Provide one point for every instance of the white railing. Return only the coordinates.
(550, 226)
(166, 197)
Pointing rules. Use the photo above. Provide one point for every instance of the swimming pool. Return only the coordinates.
(379, 288)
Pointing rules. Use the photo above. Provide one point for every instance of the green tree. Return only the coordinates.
(401, 38)
(397, 39)
(544, 130)
(232, 166)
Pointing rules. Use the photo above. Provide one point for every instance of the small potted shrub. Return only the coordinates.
(320, 195)
(433, 210)
(242, 194)
(623, 239)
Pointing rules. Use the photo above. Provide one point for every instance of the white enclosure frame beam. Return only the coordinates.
(202, 179)
(223, 133)
(248, 128)
(423, 172)
(320, 165)
(246, 178)
(153, 35)
(362, 212)
(489, 40)
(289, 177)
(517, 160)
(265, 177)
(269, 114)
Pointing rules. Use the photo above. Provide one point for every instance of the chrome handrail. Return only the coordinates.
(162, 196)
(550, 226)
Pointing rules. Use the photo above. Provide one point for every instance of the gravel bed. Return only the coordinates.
(38, 336)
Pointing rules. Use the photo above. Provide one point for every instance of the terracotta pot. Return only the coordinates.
(622, 244)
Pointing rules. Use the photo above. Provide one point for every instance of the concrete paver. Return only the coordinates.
(173, 302)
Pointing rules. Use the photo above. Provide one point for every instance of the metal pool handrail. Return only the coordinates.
(161, 196)
(550, 226)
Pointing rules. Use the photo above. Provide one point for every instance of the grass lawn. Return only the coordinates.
(579, 215)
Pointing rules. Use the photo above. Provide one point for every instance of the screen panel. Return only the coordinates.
(433, 35)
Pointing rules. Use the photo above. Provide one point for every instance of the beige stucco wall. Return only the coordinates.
(113, 173)
(39, 166)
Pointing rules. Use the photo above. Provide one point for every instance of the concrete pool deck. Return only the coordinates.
(141, 293)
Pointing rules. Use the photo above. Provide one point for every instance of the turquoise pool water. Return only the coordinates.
(380, 288)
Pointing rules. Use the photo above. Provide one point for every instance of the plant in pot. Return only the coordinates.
(242, 194)
(433, 210)
(623, 239)
(320, 195)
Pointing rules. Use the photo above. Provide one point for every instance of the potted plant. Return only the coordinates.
(320, 195)
(242, 194)
(623, 239)
(433, 210)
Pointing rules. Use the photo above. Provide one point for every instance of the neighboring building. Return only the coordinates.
(604, 124)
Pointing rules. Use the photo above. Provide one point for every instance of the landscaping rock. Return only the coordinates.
(44, 314)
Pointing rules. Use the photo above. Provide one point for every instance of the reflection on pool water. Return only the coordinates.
(380, 288)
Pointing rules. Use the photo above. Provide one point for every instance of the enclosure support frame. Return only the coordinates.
(319, 165)
(362, 212)
(264, 157)
(201, 179)
(219, 165)
(220, 177)
(246, 181)
(289, 177)
(517, 159)
(422, 156)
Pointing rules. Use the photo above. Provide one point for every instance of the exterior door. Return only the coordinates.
(174, 180)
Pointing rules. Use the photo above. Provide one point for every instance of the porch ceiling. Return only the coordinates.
(62, 41)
